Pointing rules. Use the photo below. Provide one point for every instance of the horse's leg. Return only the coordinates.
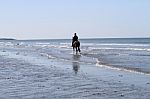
(73, 49)
(79, 49)
(76, 50)
(78, 46)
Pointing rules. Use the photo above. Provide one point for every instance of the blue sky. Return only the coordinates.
(48, 19)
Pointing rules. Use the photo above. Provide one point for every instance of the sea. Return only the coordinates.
(127, 54)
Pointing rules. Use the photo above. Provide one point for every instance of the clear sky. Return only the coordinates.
(50, 19)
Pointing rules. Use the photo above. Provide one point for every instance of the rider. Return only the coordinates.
(75, 38)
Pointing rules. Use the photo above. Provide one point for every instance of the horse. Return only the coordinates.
(76, 45)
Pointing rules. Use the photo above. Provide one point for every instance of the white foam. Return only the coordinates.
(110, 48)
(42, 43)
(118, 69)
(116, 44)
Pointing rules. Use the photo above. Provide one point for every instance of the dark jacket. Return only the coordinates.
(75, 38)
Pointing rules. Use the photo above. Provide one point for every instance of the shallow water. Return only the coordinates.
(106, 68)
(25, 74)
(131, 54)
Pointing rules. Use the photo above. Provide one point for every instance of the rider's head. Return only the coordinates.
(75, 34)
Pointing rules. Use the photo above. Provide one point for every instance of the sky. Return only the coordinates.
(60, 19)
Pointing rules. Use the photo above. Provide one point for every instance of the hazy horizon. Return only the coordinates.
(57, 19)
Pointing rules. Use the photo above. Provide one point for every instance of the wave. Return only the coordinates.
(139, 54)
(117, 44)
(53, 46)
(90, 60)
(6, 44)
(111, 44)
(68, 45)
(121, 68)
(111, 48)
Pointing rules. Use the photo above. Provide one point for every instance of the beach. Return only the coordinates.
(46, 71)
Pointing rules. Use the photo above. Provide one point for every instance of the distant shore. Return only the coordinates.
(7, 39)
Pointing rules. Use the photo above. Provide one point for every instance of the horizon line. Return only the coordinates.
(81, 38)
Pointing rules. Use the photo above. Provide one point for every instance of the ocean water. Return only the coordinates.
(128, 54)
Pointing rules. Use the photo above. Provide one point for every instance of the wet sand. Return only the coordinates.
(25, 76)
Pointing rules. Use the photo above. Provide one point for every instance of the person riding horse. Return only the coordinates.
(75, 38)
(75, 43)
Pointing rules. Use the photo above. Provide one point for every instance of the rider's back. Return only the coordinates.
(75, 38)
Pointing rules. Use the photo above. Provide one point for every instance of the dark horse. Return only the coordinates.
(76, 45)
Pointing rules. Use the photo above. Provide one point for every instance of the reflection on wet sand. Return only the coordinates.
(75, 63)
